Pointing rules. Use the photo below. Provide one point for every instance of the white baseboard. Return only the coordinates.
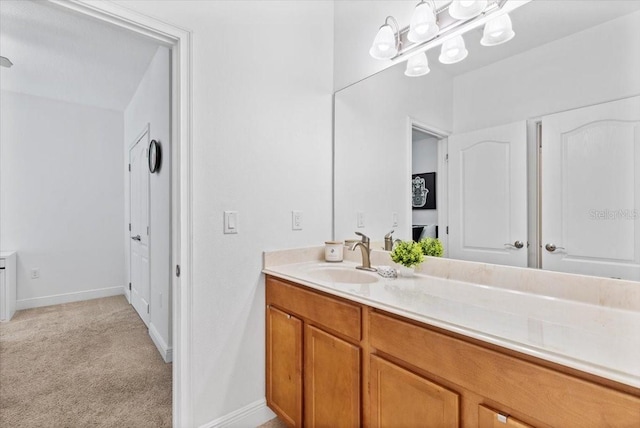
(165, 350)
(249, 416)
(78, 296)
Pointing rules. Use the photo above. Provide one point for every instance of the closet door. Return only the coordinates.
(590, 190)
(488, 195)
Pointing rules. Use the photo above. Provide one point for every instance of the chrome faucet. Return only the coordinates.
(365, 250)
(389, 242)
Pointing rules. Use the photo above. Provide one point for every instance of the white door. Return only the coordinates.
(488, 195)
(139, 218)
(591, 190)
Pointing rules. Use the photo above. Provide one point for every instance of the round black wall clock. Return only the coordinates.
(155, 156)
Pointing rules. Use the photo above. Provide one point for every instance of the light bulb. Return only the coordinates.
(453, 50)
(497, 31)
(466, 9)
(384, 44)
(417, 65)
(423, 25)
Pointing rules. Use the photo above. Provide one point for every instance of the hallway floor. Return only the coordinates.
(82, 364)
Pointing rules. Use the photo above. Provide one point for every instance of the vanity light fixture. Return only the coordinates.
(466, 9)
(497, 31)
(453, 50)
(424, 25)
(417, 65)
(431, 27)
(387, 41)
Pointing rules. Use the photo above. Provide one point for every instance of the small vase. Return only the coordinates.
(407, 272)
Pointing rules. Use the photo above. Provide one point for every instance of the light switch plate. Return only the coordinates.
(230, 222)
(360, 219)
(394, 219)
(296, 220)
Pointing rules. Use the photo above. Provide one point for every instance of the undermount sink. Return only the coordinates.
(342, 274)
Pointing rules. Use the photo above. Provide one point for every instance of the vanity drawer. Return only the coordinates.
(334, 314)
(489, 418)
(548, 395)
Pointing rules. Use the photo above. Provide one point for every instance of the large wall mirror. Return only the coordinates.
(524, 154)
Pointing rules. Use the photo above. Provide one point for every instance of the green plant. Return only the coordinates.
(431, 247)
(407, 253)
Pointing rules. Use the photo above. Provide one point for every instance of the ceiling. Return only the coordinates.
(62, 55)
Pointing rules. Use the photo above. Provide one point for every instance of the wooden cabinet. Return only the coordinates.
(402, 399)
(325, 390)
(535, 394)
(284, 366)
(331, 381)
(335, 363)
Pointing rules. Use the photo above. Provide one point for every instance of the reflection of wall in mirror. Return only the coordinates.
(579, 70)
(373, 148)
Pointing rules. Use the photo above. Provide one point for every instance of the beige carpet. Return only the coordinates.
(84, 364)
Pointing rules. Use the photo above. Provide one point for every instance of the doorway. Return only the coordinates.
(179, 42)
(429, 198)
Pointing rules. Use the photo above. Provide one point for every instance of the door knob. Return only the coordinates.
(136, 238)
(517, 244)
(552, 247)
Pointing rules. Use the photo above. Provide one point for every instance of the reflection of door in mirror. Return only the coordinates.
(591, 190)
(429, 199)
(488, 195)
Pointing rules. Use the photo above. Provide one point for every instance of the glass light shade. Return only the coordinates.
(384, 45)
(466, 9)
(453, 50)
(417, 65)
(497, 31)
(423, 25)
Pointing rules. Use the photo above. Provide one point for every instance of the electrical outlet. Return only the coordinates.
(360, 219)
(296, 220)
(35, 273)
(394, 219)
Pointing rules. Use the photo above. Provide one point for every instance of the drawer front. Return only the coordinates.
(547, 395)
(489, 418)
(334, 314)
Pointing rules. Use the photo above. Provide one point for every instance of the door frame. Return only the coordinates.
(442, 181)
(180, 42)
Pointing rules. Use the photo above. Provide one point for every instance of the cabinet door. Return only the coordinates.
(400, 399)
(488, 418)
(284, 366)
(331, 381)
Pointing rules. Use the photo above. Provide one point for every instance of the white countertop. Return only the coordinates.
(601, 340)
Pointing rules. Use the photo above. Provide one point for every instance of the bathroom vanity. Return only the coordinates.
(460, 344)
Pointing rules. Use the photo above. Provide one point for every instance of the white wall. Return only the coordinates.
(373, 147)
(62, 204)
(262, 112)
(424, 158)
(590, 67)
(150, 106)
